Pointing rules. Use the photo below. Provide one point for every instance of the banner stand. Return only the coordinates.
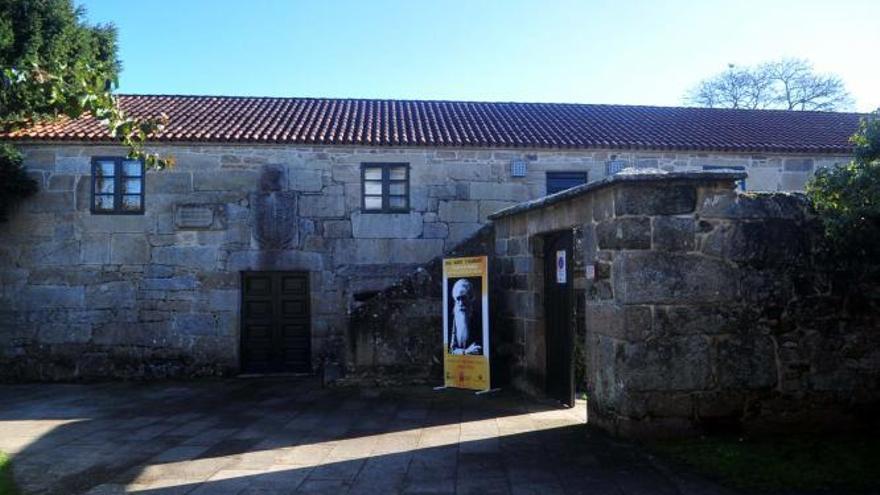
(487, 391)
(466, 324)
(478, 392)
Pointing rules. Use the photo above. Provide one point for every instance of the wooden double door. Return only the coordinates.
(276, 332)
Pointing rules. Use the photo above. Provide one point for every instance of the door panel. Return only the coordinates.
(558, 296)
(560, 181)
(276, 324)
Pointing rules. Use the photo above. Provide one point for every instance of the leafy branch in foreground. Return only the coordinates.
(73, 98)
(847, 198)
(53, 64)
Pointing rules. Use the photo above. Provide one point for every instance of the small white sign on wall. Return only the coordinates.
(561, 269)
(590, 272)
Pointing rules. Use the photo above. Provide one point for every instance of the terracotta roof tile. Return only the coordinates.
(223, 119)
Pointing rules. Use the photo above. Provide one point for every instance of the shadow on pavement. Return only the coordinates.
(291, 436)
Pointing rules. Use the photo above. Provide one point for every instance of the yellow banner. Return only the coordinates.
(471, 372)
(466, 322)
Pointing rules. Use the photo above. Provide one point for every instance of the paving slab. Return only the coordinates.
(290, 435)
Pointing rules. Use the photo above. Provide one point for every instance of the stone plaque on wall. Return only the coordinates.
(198, 216)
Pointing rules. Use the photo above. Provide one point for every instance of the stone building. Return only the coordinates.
(283, 217)
(703, 308)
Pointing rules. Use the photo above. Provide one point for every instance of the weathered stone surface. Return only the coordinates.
(589, 243)
(65, 333)
(166, 182)
(771, 242)
(624, 233)
(382, 225)
(275, 222)
(95, 249)
(666, 278)
(632, 323)
(670, 364)
(306, 179)
(337, 229)
(46, 296)
(436, 230)
(118, 223)
(183, 282)
(229, 180)
(43, 159)
(444, 191)
(684, 319)
(755, 206)
(274, 260)
(746, 362)
(111, 295)
(129, 249)
(195, 257)
(673, 233)
(223, 300)
(73, 164)
(66, 252)
(798, 165)
(489, 207)
(195, 324)
(61, 182)
(385, 251)
(504, 191)
(655, 199)
(458, 232)
(50, 202)
(459, 211)
(321, 206)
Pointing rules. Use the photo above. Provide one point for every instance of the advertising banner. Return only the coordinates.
(466, 322)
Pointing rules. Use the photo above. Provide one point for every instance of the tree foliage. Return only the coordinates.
(14, 181)
(787, 84)
(847, 198)
(53, 64)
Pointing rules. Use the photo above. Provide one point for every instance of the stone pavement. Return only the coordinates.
(291, 436)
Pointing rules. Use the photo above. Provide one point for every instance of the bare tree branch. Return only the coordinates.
(789, 84)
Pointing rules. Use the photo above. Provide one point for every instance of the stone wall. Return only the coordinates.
(395, 336)
(708, 309)
(519, 253)
(88, 296)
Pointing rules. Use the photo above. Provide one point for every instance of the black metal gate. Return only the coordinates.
(275, 322)
(558, 295)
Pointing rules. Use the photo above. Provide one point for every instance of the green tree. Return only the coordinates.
(847, 198)
(53, 64)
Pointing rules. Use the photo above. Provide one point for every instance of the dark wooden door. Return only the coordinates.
(275, 322)
(558, 295)
(560, 181)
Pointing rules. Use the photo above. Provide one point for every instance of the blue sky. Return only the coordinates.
(629, 52)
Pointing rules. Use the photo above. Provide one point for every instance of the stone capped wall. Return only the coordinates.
(92, 296)
(708, 309)
(396, 335)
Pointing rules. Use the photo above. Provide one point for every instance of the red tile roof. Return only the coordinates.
(223, 119)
